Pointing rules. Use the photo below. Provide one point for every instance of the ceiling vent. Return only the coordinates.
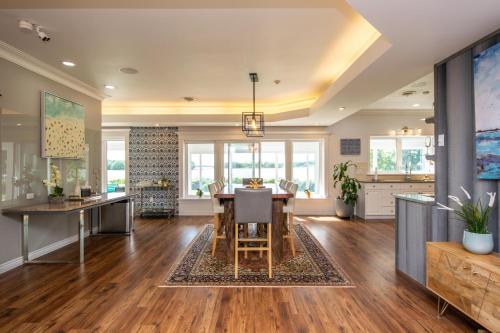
(408, 93)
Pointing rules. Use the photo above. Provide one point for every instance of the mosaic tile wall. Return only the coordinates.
(154, 154)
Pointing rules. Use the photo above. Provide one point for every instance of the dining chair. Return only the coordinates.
(218, 210)
(289, 209)
(288, 185)
(253, 206)
(282, 183)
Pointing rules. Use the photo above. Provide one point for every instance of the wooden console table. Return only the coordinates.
(469, 282)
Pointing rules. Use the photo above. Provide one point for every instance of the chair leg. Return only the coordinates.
(291, 233)
(245, 233)
(236, 251)
(269, 251)
(216, 230)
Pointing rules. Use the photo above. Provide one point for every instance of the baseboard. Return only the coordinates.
(16, 262)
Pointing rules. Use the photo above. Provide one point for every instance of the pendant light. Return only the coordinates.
(252, 123)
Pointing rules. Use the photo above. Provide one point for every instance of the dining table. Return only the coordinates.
(279, 227)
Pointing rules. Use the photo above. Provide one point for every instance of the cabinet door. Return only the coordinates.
(372, 202)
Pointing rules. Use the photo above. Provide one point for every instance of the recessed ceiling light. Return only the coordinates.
(342, 108)
(188, 98)
(18, 125)
(68, 63)
(109, 86)
(423, 119)
(129, 70)
(277, 81)
(416, 105)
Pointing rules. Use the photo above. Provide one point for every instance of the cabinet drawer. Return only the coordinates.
(379, 186)
(490, 311)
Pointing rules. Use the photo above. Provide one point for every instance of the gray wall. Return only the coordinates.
(20, 157)
(456, 160)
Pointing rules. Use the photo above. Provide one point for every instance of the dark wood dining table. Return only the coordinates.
(280, 197)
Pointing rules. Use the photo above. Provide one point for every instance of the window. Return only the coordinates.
(200, 167)
(272, 163)
(115, 166)
(401, 154)
(241, 160)
(306, 168)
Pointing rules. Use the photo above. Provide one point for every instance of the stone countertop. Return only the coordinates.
(419, 181)
(418, 198)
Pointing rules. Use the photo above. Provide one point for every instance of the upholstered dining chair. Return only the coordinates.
(282, 183)
(289, 209)
(218, 210)
(253, 206)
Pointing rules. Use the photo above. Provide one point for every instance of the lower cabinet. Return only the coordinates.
(470, 283)
(376, 200)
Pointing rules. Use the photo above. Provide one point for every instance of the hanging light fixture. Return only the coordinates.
(252, 123)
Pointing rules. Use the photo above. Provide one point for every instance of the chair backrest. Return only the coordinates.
(246, 181)
(253, 205)
(218, 185)
(293, 189)
(212, 188)
(288, 185)
(282, 183)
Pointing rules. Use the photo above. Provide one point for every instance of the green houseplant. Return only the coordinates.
(349, 186)
(476, 239)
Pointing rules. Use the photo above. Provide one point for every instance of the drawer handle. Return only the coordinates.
(465, 267)
(474, 273)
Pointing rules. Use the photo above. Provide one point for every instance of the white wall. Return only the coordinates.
(360, 125)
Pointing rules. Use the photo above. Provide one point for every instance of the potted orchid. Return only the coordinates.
(477, 239)
(56, 195)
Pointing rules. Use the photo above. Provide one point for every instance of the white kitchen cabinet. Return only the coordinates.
(376, 200)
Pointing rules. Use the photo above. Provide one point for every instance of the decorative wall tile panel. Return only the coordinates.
(154, 154)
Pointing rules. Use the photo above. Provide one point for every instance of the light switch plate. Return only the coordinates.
(441, 140)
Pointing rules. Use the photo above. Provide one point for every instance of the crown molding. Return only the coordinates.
(20, 58)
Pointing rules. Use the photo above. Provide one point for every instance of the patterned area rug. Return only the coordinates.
(311, 266)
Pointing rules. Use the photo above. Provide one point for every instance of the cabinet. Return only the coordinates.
(376, 200)
(469, 282)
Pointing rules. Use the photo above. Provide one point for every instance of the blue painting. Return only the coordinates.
(487, 112)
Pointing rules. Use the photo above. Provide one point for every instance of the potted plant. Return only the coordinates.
(56, 192)
(349, 186)
(199, 193)
(477, 239)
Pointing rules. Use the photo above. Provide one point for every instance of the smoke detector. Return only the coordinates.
(25, 26)
(408, 93)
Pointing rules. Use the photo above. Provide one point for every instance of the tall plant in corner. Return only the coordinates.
(349, 187)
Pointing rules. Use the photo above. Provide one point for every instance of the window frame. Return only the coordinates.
(187, 173)
(399, 154)
(114, 135)
(322, 193)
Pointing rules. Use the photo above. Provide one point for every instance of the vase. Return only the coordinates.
(56, 200)
(478, 243)
(342, 209)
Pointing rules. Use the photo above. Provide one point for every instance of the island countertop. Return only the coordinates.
(415, 197)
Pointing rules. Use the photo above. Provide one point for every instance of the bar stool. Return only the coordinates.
(253, 206)
(218, 209)
(289, 209)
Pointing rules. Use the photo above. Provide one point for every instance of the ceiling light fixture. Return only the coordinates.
(109, 86)
(416, 105)
(252, 123)
(68, 63)
(342, 108)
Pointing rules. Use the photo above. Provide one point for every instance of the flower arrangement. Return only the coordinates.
(475, 215)
(54, 182)
(477, 239)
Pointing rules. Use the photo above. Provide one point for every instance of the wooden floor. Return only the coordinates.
(117, 289)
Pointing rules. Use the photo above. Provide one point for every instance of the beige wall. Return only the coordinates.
(20, 104)
(368, 123)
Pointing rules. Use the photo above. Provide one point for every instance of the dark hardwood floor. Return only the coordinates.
(118, 289)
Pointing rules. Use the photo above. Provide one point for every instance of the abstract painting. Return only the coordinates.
(63, 127)
(487, 112)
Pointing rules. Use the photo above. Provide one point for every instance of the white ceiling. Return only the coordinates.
(421, 99)
(207, 53)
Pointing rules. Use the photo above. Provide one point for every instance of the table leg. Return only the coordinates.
(25, 248)
(82, 236)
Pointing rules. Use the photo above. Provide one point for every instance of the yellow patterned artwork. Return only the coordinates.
(63, 127)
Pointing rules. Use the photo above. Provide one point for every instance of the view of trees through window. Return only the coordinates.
(400, 154)
(306, 166)
(115, 162)
(201, 163)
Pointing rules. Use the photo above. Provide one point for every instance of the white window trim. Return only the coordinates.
(321, 184)
(111, 135)
(399, 156)
(186, 178)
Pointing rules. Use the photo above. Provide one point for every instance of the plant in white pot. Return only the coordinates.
(477, 239)
(349, 186)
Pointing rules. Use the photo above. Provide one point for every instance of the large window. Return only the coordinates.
(306, 168)
(272, 163)
(401, 154)
(200, 167)
(115, 166)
